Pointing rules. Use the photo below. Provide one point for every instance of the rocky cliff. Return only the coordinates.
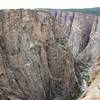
(43, 52)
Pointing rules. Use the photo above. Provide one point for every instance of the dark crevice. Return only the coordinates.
(71, 23)
(86, 37)
(96, 24)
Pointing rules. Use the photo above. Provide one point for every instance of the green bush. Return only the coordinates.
(50, 98)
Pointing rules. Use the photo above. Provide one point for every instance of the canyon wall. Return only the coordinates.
(43, 52)
(82, 31)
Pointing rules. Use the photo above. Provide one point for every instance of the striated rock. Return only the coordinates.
(43, 53)
(82, 32)
(35, 60)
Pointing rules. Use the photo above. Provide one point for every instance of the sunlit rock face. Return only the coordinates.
(93, 91)
(44, 52)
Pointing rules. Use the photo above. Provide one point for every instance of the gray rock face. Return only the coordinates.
(82, 32)
(35, 60)
(41, 52)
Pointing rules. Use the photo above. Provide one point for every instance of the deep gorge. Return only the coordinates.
(46, 54)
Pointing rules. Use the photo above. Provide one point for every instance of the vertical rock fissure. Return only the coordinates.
(71, 23)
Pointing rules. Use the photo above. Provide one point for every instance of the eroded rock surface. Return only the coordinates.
(82, 31)
(42, 52)
(93, 91)
(35, 60)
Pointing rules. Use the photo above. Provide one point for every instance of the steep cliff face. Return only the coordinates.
(82, 31)
(42, 52)
(35, 60)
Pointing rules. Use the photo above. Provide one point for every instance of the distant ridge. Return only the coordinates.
(95, 11)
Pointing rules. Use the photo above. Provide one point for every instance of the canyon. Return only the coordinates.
(47, 54)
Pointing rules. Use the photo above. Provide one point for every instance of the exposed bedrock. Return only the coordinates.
(41, 52)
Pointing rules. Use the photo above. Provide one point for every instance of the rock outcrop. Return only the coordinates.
(43, 52)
